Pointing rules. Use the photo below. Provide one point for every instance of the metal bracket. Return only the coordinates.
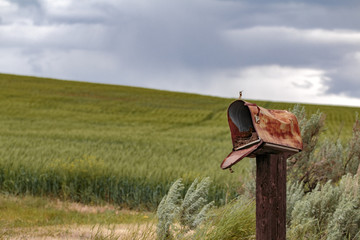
(257, 118)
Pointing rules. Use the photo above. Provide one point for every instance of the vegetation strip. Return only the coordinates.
(95, 143)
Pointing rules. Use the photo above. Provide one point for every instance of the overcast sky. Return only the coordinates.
(298, 51)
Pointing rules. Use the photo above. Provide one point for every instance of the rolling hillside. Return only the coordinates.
(94, 142)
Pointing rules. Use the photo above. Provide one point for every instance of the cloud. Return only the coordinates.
(278, 83)
(203, 46)
(335, 51)
(11, 59)
(7, 9)
(74, 12)
(7, 6)
(290, 34)
(273, 82)
(347, 75)
(30, 35)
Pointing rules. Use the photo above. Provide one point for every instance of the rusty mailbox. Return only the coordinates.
(256, 130)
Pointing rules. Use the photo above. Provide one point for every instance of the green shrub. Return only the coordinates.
(188, 212)
(312, 213)
(321, 161)
(168, 209)
(294, 193)
(194, 207)
(345, 222)
(328, 212)
(301, 165)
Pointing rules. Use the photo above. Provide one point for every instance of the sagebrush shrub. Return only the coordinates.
(328, 212)
(188, 212)
(294, 193)
(322, 161)
(194, 206)
(345, 222)
(168, 209)
(301, 166)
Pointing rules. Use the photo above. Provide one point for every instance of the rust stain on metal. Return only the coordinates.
(278, 127)
(257, 130)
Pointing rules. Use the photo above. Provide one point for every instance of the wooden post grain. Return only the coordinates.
(271, 197)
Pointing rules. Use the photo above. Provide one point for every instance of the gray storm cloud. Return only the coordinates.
(203, 46)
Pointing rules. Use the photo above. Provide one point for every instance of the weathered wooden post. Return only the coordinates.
(271, 136)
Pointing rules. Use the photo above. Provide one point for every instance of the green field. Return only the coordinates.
(123, 145)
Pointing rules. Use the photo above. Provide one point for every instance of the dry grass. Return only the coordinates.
(85, 208)
(118, 231)
(44, 218)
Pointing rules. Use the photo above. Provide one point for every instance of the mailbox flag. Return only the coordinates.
(256, 130)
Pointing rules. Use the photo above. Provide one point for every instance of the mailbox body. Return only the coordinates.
(256, 130)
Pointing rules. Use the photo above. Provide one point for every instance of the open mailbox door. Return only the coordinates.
(256, 130)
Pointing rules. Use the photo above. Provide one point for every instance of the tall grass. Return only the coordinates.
(92, 142)
(235, 221)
